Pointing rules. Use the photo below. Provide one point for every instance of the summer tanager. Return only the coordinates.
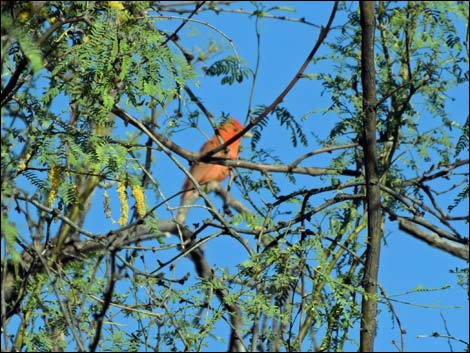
(205, 172)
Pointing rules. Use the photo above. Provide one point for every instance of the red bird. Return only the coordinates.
(205, 172)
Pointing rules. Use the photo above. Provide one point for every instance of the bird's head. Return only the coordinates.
(231, 127)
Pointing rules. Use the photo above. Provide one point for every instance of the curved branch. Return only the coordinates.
(56, 214)
(428, 176)
(432, 239)
(411, 202)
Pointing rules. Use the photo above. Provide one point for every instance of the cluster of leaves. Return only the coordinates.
(77, 280)
(285, 119)
(283, 275)
(95, 57)
(417, 63)
(88, 56)
(231, 70)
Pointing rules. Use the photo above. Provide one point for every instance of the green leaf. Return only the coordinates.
(282, 8)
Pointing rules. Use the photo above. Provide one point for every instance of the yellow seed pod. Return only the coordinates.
(24, 162)
(54, 178)
(121, 190)
(139, 199)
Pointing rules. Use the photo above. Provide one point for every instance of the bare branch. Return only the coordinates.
(433, 239)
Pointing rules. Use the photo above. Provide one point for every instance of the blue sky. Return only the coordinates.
(406, 263)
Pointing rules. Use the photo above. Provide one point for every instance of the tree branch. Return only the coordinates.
(199, 157)
(374, 216)
(433, 239)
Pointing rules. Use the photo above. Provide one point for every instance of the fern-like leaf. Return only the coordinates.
(230, 69)
(285, 118)
(464, 139)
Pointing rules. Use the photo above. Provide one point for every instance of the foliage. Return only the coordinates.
(231, 70)
(285, 118)
(95, 97)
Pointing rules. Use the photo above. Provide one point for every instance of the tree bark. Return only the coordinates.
(369, 299)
